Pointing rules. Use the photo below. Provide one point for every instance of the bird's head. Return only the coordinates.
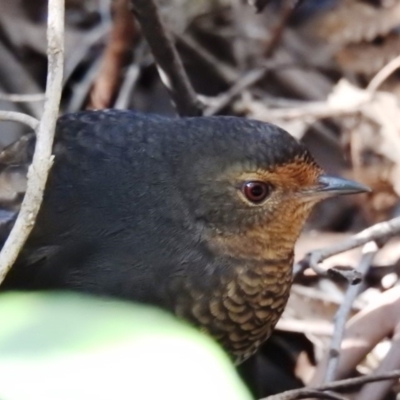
(251, 185)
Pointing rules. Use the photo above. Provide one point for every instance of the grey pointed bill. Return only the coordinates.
(329, 186)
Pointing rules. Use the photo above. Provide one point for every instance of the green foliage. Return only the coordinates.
(68, 346)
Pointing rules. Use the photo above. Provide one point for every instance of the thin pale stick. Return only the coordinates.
(42, 158)
(383, 74)
(22, 98)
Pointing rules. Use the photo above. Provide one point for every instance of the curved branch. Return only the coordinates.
(16, 116)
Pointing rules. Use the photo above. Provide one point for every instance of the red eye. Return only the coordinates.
(256, 191)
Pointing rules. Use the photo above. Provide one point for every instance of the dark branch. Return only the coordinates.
(167, 58)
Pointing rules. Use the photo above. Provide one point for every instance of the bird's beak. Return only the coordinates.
(329, 186)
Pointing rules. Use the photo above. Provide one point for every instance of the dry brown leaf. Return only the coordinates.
(368, 58)
(354, 21)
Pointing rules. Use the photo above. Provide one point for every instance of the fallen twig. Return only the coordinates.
(314, 394)
(90, 39)
(377, 321)
(369, 251)
(22, 98)
(42, 158)
(216, 104)
(18, 80)
(80, 92)
(243, 83)
(220, 68)
(308, 111)
(131, 77)
(383, 74)
(373, 233)
(338, 385)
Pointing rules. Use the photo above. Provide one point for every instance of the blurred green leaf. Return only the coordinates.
(68, 346)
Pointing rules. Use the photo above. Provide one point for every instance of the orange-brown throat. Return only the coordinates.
(276, 226)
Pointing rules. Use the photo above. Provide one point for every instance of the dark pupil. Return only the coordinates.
(257, 190)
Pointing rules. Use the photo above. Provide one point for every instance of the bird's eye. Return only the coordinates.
(256, 191)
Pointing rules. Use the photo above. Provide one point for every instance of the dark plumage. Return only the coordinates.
(152, 209)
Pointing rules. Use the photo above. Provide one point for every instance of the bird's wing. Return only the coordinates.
(14, 164)
(24, 273)
(16, 158)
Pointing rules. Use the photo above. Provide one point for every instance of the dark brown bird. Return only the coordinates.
(195, 215)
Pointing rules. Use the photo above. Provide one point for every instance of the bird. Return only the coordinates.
(196, 215)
